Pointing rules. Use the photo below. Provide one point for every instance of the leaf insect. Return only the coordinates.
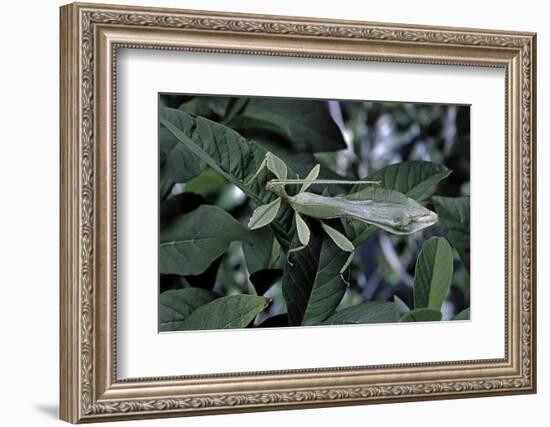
(387, 209)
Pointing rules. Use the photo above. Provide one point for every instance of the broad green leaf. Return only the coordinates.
(189, 244)
(232, 156)
(341, 241)
(264, 214)
(235, 311)
(307, 124)
(412, 178)
(421, 315)
(260, 250)
(433, 274)
(176, 305)
(463, 315)
(252, 125)
(454, 217)
(178, 162)
(312, 285)
(367, 312)
(223, 149)
(302, 230)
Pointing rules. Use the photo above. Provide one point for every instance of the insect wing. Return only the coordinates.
(387, 209)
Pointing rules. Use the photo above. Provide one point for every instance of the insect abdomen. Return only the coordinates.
(316, 206)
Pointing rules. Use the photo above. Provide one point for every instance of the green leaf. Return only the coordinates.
(367, 312)
(176, 305)
(189, 244)
(463, 315)
(260, 250)
(264, 214)
(178, 162)
(307, 124)
(232, 156)
(454, 217)
(235, 311)
(421, 315)
(433, 274)
(223, 149)
(413, 178)
(250, 125)
(312, 285)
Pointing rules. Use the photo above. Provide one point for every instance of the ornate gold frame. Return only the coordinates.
(90, 36)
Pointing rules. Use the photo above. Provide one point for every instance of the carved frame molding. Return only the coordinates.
(90, 36)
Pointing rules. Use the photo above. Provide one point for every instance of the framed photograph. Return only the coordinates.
(266, 212)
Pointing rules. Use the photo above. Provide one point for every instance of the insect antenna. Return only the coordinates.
(322, 181)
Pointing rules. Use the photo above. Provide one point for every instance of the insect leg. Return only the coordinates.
(346, 265)
(297, 249)
(303, 235)
(273, 164)
(259, 171)
(291, 251)
(343, 243)
(302, 229)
